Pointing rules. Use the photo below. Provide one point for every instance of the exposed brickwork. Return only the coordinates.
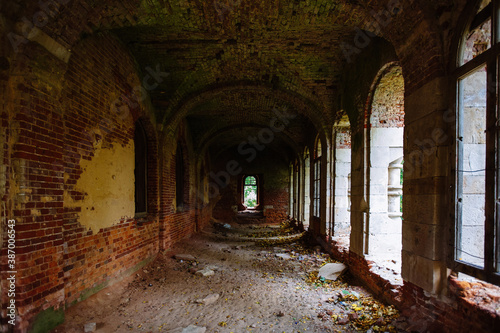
(343, 138)
(92, 258)
(426, 312)
(273, 181)
(177, 223)
(387, 105)
(278, 199)
(221, 76)
(36, 193)
(58, 259)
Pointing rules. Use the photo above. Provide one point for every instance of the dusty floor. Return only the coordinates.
(258, 292)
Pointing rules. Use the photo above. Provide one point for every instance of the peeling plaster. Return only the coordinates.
(107, 182)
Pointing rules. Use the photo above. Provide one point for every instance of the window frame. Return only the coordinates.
(257, 187)
(316, 197)
(179, 178)
(490, 58)
(296, 191)
(142, 172)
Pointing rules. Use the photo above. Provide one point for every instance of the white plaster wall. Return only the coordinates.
(342, 202)
(385, 234)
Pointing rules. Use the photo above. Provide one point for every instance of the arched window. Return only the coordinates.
(317, 179)
(385, 141)
(141, 169)
(296, 190)
(179, 177)
(250, 192)
(342, 170)
(476, 241)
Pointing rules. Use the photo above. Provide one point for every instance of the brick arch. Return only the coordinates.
(395, 22)
(216, 134)
(388, 72)
(301, 104)
(426, 64)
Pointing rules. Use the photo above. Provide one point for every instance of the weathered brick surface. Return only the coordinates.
(94, 81)
(425, 312)
(236, 66)
(52, 128)
(177, 223)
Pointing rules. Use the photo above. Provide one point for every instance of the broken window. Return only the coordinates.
(476, 240)
(478, 38)
(141, 169)
(250, 192)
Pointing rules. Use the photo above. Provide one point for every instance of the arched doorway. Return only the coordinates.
(385, 153)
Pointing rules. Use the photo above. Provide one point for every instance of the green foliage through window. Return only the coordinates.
(250, 192)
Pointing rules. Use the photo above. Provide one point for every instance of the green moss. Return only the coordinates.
(94, 290)
(91, 291)
(47, 320)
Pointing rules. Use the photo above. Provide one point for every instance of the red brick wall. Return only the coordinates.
(101, 71)
(177, 223)
(425, 312)
(343, 139)
(387, 104)
(278, 199)
(50, 119)
(34, 198)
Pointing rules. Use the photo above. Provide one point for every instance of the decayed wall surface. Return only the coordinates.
(71, 161)
(102, 238)
(429, 294)
(179, 222)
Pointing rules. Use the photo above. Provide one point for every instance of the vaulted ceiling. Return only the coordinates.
(227, 64)
(244, 58)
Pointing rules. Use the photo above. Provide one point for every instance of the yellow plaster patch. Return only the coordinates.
(108, 184)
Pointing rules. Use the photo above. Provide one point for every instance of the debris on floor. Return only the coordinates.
(216, 285)
(332, 271)
(189, 329)
(205, 272)
(185, 257)
(90, 327)
(210, 299)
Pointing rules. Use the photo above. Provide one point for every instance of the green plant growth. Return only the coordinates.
(250, 192)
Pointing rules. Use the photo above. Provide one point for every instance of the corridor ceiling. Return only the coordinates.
(230, 63)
